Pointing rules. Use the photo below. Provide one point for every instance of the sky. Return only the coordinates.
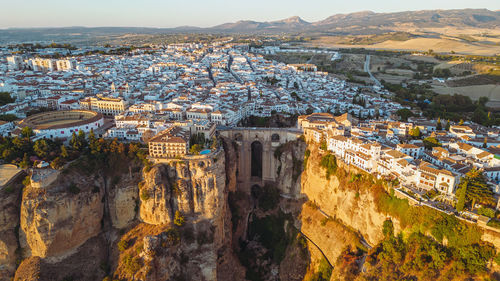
(203, 13)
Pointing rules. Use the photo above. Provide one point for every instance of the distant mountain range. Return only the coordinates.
(366, 22)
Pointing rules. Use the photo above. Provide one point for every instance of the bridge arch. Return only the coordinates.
(256, 160)
(255, 152)
(275, 137)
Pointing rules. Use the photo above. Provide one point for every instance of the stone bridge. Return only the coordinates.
(256, 146)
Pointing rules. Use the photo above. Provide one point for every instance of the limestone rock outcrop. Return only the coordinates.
(155, 196)
(123, 205)
(9, 220)
(357, 210)
(328, 235)
(54, 223)
(194, 187)
(290, 167)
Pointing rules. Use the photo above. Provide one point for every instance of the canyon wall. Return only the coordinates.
(54, 224)
(354, 209)
(62, 222)
(191, 219)
(10, 199)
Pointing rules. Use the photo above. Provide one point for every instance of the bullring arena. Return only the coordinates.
(63, 123)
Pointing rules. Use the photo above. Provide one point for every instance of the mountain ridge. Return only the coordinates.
(358, 23)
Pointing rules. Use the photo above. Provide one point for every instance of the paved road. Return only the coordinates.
(367, 70)
(229, 63)
(250, 63)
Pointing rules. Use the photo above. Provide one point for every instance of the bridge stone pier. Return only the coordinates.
(256, 147)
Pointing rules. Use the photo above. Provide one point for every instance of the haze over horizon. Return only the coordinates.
(169, 14)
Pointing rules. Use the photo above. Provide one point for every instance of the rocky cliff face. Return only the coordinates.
(185, 205)
(10, 198)
(195, 188)
(54, 224)
(123, 204)
(79, 214)
(65, 227)
(125, 226)
(355, 209)
(291, 159)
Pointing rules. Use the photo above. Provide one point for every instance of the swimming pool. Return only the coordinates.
(205, 151)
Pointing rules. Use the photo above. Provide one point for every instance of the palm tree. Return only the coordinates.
(475, 187)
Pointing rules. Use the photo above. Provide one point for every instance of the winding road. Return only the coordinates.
(367, 70)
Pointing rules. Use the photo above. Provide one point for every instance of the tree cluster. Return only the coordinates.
(420, 257)
(473, 188)
(98, 153)
(5, 98)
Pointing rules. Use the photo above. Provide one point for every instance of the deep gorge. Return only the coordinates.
(198, 220)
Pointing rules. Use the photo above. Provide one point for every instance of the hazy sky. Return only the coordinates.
(169, 13)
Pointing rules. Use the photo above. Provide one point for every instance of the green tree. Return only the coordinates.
(430, 142)
(475, 187)
(439, 126)
(57, 163)
(74, 142)
(415, 132)
(27, 132)
(8, 117)
(41, 148)
(322, 144)
(78, 142)
(388, 228)
(92, 137)
(81, 138)
(329, 162)
(5, 98)
(64, 152)
(195, 149)
(25, 163)
(213, 146)
(461, 122)
(485, 142)
(461, 199)
(447, 128)
(404, 113)
(480, 116)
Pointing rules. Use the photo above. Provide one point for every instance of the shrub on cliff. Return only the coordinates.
(323, 145)
(123, 245)
(329, 162)
(179, 219)
(26, 181)
(9, 189)
(131, 264)
(306, 157)
(145, 195)
(324, 272)
(173, 237)
(388, 228)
